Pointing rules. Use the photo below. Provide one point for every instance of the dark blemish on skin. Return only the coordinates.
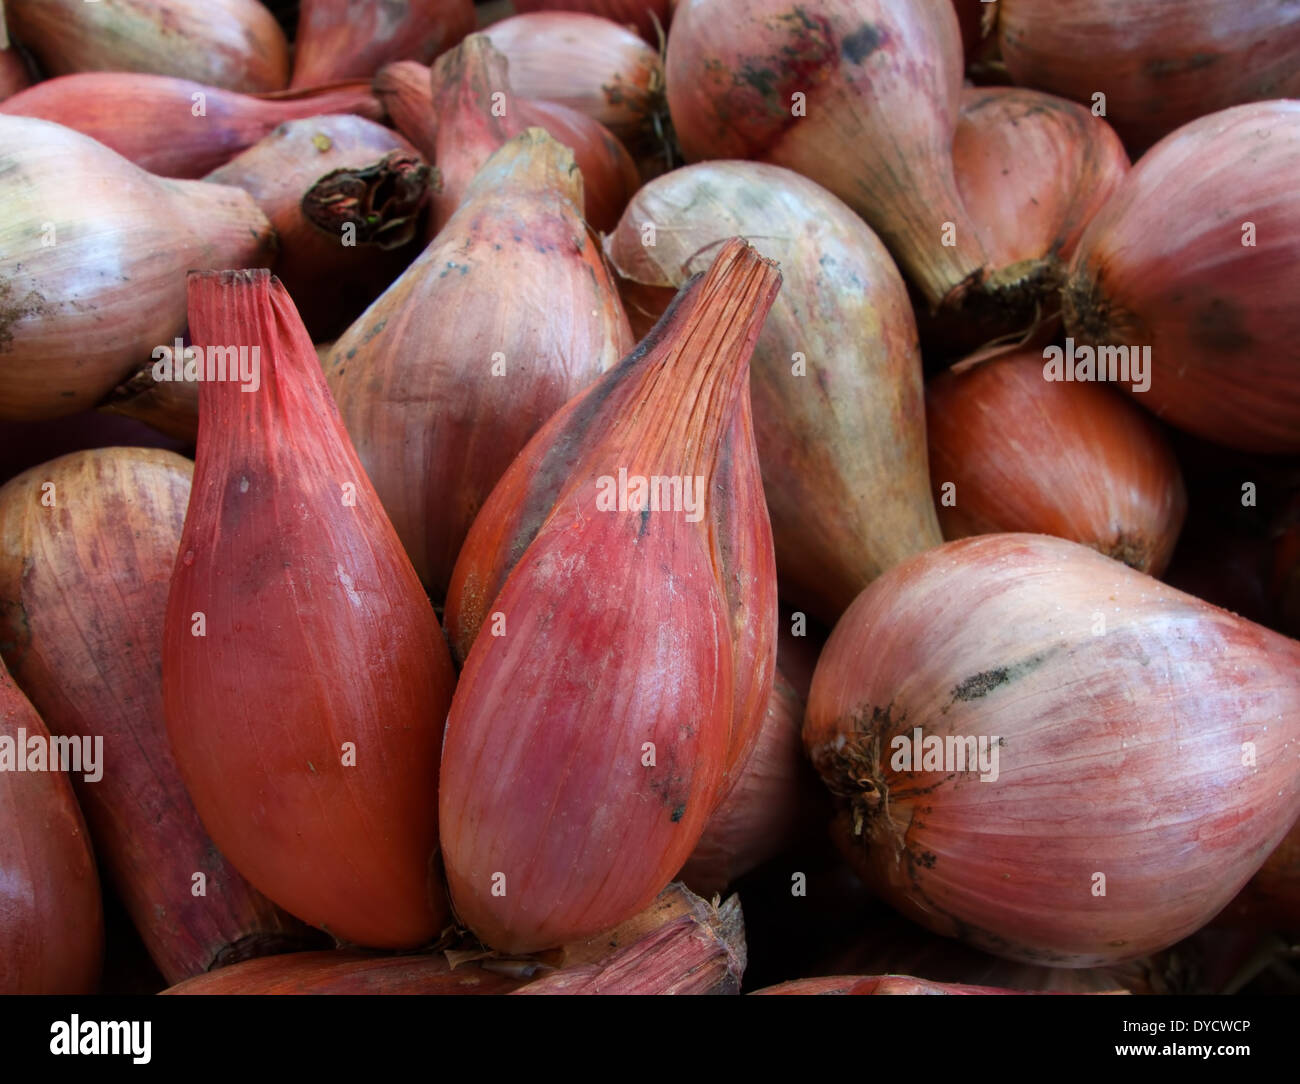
(374, 331)
(985, 682)
(928, 859)
(679, 813)
(1159, 68)
(981, 684)
(762, 80)
(1222, 325)
(861, 43)
(645, 523)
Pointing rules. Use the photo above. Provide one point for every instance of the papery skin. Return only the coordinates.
(79, 314)
(236, 44)
(1124, 710)
(348, 973)
(83, 592)
(701, 952)
(577, 670)
(1070, 459)
(150, 119)
(585, 62)
(650, 17)
(51, 923)
(1032, 171)
(516, 273)
(1167, 61)
(348, 39)
(332, 282)
(1163, 265)
(881, 82)
(317, 634)
(842, 446)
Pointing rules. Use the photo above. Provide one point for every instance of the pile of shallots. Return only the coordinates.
(486, 492)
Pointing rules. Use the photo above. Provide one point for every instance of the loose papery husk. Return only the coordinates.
(1143, 737)
(93, 253)
(52, 937)
(344, 39)
(346, 198)
(236, 44)
(839, 410)
(542, 555)
(176, 127)
(702, 951)
(316, 635)
(1013, 451)
(505, 316)
(87, 543)
(679, 945)
(1165, 267)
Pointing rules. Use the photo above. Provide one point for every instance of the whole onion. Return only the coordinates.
(629, 724)
(587, 63)
(1196, 259)
(1166, 62)
(305, 677)
(1032, 171)
(1012, 451)
(93, 254)
(1104, 761)
(235, 44)
(858, 95)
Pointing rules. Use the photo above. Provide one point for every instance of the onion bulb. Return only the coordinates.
(1195, 262)
(236, 44)
(93, 254)
(1049, 755)
(1012, 451)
